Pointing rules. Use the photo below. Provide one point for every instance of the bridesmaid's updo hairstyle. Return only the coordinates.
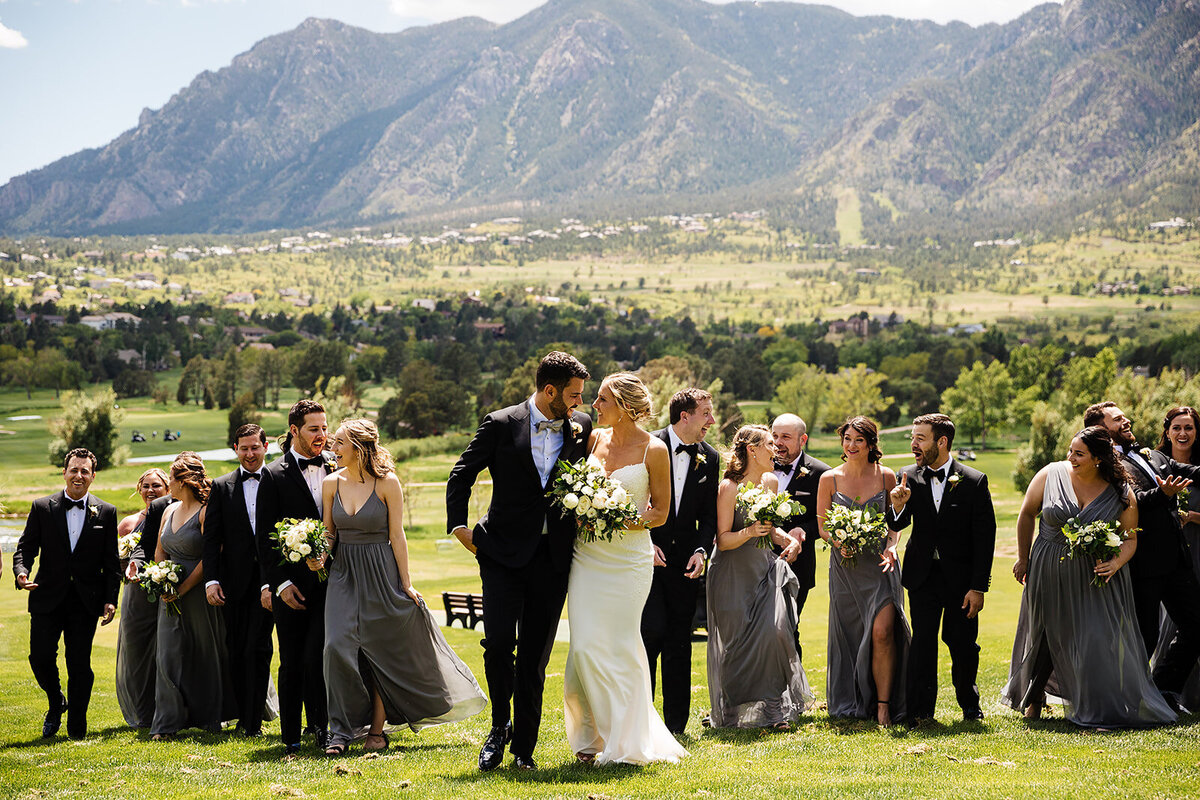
(1100, 444)
(630, 395)
(1164, 444)
(739, 453)
(867, 429)
(363, 436)
(188, 469)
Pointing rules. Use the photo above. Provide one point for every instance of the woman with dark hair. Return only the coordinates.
(193, 688)
(755, 679)
(1075, 640)
(385, 658)
(868, 632)
(139, 620)
(1178, 440)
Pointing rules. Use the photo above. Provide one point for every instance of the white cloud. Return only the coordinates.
(11, 39)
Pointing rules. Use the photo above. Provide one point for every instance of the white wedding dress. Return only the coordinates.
(608, 707)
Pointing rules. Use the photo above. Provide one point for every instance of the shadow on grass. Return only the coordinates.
(570, 773)
(310, 752)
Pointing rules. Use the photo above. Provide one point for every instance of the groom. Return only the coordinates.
(522, 545)
(73, 536)
(947, 564)
(680, 547)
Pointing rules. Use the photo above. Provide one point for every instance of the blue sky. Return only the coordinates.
(77, 73)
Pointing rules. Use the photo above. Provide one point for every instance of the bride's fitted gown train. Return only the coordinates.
(608, 707)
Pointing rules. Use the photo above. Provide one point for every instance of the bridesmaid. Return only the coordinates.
(385, 657)
(868, 632)
(1178, 440)
(139, 620)
(1076, 640)
(193, 688)
(755, 679)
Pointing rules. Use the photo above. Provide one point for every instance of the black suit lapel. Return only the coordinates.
(58, 510)
(519, 423)
(292, 470)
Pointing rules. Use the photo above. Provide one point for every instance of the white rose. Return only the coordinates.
(785, 509)
(600, 500)
(587, 491)
(304, 549)
(591, 513)
(570, 501)
(600, 526)
(173, 577)
(585, 504)
(619, 496)
(293, 556)
(1113, 540)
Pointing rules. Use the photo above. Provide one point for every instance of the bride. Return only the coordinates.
(608, 706)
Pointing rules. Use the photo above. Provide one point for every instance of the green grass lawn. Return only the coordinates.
(1003, 757)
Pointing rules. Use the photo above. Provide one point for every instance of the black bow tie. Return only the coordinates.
(783, 467)
(244, 476)
(74, 503)
(690, 449)
(315, 461)
(932, 474)
(550, 424)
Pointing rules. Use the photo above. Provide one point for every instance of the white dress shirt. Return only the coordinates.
(786, 476)
(75, 519)
(545, 444)
(250, 493)
(681, 462)
(938, 488)
(313, 476)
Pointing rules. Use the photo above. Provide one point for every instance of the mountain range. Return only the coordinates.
(1087, 108)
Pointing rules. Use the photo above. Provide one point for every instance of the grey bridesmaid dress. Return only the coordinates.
(377, 637)
(755, 678)
(1077, 641)
(1167, 629)
(193, 688)
(136, 645)
(858, 591)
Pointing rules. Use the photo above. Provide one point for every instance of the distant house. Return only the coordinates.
(145, 276)
(108, 321)
(246, 298)
(496, 329)
(855, 325)
(132, 357)
(425, 303)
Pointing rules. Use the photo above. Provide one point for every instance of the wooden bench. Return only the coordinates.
(466, 608)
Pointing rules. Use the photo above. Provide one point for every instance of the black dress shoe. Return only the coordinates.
(77, 732)
(53, 719)
(913, 723)
(972, 715)
(322, 737)
(291, 749)
(492, 754)
(524, 762)
(254, 734)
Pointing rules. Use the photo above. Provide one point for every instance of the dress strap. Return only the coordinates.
(833, 475)
(645, 452)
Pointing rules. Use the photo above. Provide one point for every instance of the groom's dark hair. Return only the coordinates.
(940, 424)
(685, 401)
(1094, 414)
(557, 369)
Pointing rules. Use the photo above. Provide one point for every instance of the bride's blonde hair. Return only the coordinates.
(630, 395)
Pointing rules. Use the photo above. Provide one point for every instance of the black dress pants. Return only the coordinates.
(301, 677)
(71, 622)
(667, 635)
(937, 604)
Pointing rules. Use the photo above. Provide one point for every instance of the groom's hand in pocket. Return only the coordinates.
(465, 535)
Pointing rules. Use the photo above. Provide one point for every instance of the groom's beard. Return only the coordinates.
(559, 409)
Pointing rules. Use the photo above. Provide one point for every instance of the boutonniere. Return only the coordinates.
(953, 480)
(576, 428)
(700, 458)
(804, 472)
(1145, 453)
(93, 510)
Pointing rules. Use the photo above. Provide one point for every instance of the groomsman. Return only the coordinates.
(292, 489)
(235, 579)
(799, 473)
(523, 546)
(73, 535)
(1160, 570)
(947, 564)
(680, 547)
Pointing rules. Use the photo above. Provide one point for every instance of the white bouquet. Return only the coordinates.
(299, 539)
(600, 505)
(162, 579)
(1097, 540)
(763, 505)
(854, 531)
(127, 544)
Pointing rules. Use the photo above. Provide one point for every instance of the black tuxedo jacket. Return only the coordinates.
(511, 530)
(695, 526)
(963, 531)
(1160, 543)
(230, 548)
(803, 489)
(149, 542)
(94, 568)
(283, 495)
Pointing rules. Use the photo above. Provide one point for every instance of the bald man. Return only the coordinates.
(799, 473)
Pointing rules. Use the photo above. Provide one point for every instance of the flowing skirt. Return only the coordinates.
(136, 665)
(379, 638)
(1081, 643)
(608, 707)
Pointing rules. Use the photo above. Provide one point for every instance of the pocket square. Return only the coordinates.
(703, 478)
